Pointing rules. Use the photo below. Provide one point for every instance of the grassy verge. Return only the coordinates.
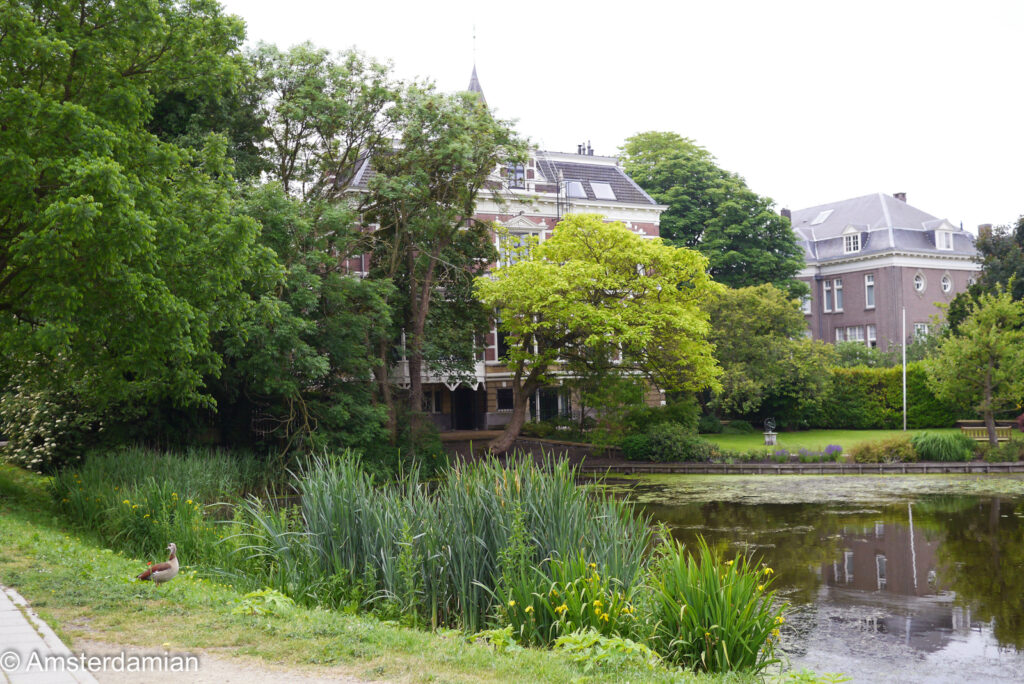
(86, 591)
(814, 440)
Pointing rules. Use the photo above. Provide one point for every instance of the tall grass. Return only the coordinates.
(140, 500)
(933, 446)
(434, 553)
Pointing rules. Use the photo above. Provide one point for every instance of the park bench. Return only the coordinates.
(980, 434)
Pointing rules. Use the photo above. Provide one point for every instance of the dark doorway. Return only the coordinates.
(549, 403)
(464, 409)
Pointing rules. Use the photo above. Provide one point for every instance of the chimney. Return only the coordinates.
(590, 150)
(579, 149)
(984, 229)
(901, 196)
(786, 213)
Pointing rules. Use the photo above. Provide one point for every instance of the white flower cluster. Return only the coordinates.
(41, 428)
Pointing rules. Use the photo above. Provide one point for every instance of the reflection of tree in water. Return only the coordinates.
(982, 560)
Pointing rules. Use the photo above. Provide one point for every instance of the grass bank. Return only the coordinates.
(813, 440)
(86, 591)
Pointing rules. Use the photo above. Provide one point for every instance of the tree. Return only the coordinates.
(1001, 252)
(120, 256)
(597, 297)
(422, 197)
(770, 367)
(713, 211)
(982, 365)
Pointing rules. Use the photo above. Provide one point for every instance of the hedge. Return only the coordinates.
(872, 399)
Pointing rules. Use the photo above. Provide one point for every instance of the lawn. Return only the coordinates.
(813, 440)
(85, 591)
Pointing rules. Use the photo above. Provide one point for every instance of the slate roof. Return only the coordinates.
(626, 191)
(623, 186)
(885, 223)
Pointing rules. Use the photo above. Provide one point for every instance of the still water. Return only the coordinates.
(889, 578)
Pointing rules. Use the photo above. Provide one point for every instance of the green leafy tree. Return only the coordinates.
(1001, 252)
(770, 367)
(596, 296)
(982, 365)
(713, 211)
(422, 197)
(121, 257)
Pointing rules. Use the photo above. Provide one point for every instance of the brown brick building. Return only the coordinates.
(870, 257)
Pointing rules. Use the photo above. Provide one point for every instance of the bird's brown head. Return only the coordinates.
(172, 549)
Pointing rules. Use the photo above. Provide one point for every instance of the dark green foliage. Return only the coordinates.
(670, 442)
(872, 399)
(738, 426)
(709, 425)
(932, 446)
(1002, 260)
(1005, 452)
(683, 412)
(636, 447)
(892, 450)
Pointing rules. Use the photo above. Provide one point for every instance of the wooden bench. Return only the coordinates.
(980, 434)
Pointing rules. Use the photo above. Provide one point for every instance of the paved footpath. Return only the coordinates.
(26, 642)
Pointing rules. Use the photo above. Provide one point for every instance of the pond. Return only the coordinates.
(912, 578)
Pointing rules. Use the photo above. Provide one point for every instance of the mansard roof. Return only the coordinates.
(885, 223)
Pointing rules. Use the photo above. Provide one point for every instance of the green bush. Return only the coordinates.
(709, 425)
(891, 450)
(710, 614)
(670, 442)
(684, 412)
(1005, 452)
(636, 448)
(932, 446)
(738, 426)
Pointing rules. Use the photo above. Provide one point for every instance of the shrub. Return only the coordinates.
(933, 446)
(683, 412)
(738, 426)
(670, 442)
(891, 450)
(709, 425)
(636, 448)
(45, 431)
(872, 398)
(1005, 452)
(592, 650)
(712, 615)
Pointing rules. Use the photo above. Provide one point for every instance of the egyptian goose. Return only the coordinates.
(162, 572)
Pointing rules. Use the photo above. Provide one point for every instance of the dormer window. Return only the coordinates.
(851, 243)
(515, 175)
(944, 239)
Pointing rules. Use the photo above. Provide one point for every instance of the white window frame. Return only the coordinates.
(869, 291)
(837, 287)
(920, 330)
(851, 243)
(946, 284)
(506, 248)
(920, 282)
(826, 304)
(855, 333)
(806, 304)
(840, 334)
(871, 336)
(944, 240)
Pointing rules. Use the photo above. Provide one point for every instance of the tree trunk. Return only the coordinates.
(384, 387)
(990, 419)
(419, 305)
(521, 393)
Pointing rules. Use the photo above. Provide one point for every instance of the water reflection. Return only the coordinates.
(884, 591)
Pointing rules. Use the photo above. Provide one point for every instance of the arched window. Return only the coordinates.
(919, 282)
(947, 283)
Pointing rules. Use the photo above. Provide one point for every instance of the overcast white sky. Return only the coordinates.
(810, 101)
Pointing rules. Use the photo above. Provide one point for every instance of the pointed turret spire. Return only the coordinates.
(474, 86)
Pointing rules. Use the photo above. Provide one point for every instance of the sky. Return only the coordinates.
(811, 102)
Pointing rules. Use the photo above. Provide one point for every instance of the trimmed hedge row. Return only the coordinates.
(872, 399)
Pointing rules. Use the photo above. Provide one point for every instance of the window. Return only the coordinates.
(514, 245)
(805, 304)
(872, 340)
(869, 291)
(855, 333)
(947, 283)
(919, 282)
(944, 239)
(838, 284)
(851, 243)
(827, 305)
(821, 217)
(839, 334)
(515, 174)
(432, 401)
(505, 400)
(575, 189)
(602, 190)
(920, 330)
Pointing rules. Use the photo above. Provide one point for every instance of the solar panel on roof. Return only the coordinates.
(822, 216)
(603, 190)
